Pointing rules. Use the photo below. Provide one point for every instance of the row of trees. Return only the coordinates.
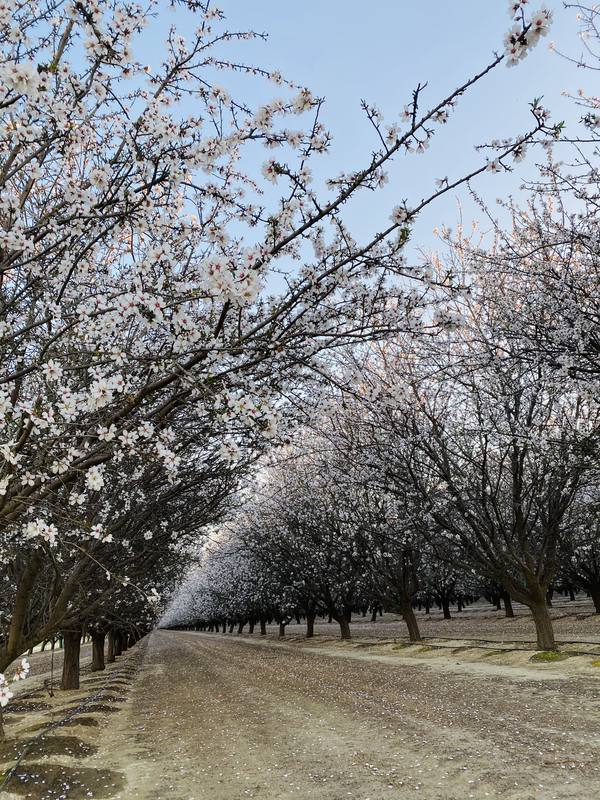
(166, 295)
(441, 469)
(470, 450)
(467, 458)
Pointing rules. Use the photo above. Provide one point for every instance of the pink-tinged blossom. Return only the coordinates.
(94, 479)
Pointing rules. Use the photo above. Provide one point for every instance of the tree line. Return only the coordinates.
(173, 305)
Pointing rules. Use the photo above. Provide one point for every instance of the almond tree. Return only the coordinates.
(496, 450)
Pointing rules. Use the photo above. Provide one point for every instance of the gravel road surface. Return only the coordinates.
(217, 718)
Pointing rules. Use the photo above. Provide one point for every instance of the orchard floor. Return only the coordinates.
(220, 717)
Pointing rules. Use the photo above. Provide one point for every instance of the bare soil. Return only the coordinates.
(227, 717)
(52, 737)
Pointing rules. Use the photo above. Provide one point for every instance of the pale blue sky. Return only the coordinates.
(346, 50)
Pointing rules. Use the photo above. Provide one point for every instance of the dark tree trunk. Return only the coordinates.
(110, 649)
(543, 627)
(310, 625)
(374, 615)
(571, 594)
(251, 626)
(344, 624)
(281, 630)
(408, 614)
(70, 671)
(508, 609)
(263, 627)
(97, 652)
(446, 609)
(595, 593)
(118, 643)
(241, 627)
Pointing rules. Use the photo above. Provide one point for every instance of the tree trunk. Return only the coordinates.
(310, 625)
(543, 627)
(241, 627)
(251, 626)
(118, 643)
(281, 630)
(224, 628)
(70, 671)
(595, 593)
(263, 628)
(446, 608)
(374, 615)
(344, 624)
(97, 652)
(110, 649)
(408, 614)
(508, 609)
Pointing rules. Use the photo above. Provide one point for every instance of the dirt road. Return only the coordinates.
(212, 718)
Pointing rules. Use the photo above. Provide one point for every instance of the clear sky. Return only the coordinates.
(348, 50)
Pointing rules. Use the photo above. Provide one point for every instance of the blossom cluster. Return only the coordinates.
(526, 31)
(21, 673)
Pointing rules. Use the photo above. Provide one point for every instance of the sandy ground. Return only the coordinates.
(42, 662)
(55, 735)
(218, 718)
(212, 717)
